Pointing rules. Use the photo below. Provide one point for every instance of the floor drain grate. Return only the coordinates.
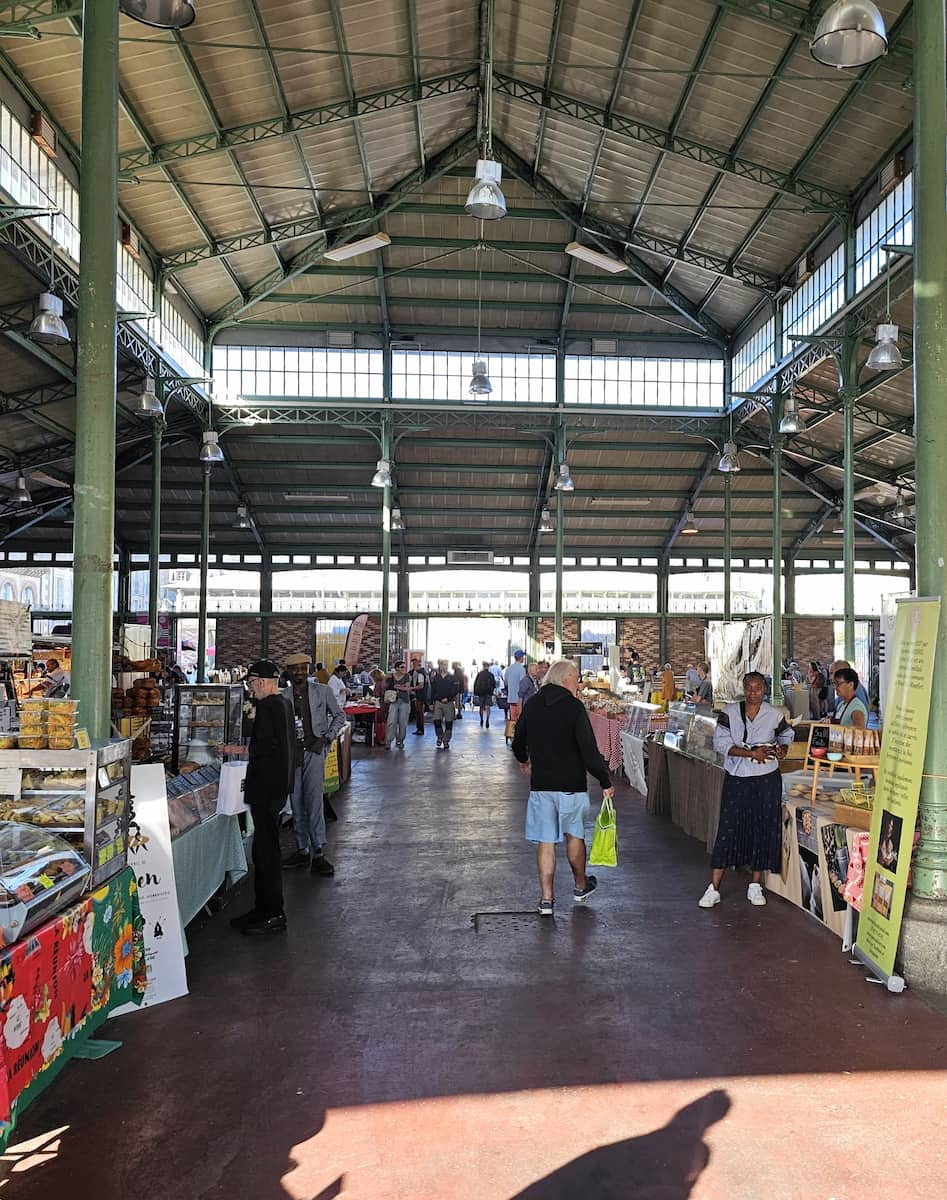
(506, 922)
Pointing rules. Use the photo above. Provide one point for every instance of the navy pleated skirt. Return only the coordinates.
(750, 829)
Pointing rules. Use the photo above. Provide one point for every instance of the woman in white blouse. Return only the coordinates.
(753, 737)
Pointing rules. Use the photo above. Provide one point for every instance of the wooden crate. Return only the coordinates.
(847, 814)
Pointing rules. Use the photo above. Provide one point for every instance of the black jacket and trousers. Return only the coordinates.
(554, 735)
(269, 781)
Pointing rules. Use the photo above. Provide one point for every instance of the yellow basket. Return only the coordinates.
(858, 796)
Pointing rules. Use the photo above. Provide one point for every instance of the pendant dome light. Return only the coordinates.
(791, 421)
(22, 493)
(47, 327)
(565, 482)
(885, 355)
(162, 14)
(397, 521)
(211, 452)
(480, 384)
(382, 476)
(690, 526)
(242, 521)
(147, 403)
(485, 199)
(900, 512)
(545, 522)
(729, 462)
(851, 34)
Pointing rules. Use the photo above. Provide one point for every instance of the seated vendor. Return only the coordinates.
(849, 710)
(704, 692)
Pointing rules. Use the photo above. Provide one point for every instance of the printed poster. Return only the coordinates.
(149, 856)
(894, 817)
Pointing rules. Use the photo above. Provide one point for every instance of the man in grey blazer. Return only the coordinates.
(319, 719)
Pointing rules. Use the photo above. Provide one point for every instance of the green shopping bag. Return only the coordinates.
(604, 851)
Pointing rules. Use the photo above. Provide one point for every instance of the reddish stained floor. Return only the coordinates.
(638, 1048)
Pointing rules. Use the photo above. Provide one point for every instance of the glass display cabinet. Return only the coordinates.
(206, 715)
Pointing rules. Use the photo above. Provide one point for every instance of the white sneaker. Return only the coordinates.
(754, 893)
(710, 897)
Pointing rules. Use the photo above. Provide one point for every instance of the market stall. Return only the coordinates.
(362, 715)
(58, 986)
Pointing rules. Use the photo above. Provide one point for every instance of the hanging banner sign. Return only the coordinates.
(149, 856)
(575, 649)
(898, 789)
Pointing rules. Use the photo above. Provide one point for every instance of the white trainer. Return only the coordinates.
(754, 893)
(710, 897)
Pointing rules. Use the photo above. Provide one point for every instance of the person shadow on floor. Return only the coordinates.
(662, 1165)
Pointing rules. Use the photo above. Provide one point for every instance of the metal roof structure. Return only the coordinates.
(698, 142)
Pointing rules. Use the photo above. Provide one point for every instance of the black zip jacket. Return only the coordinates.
(443, 687)
(555, 737)
(484, 684)
(270, 771)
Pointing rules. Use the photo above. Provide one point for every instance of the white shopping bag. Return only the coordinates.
(233, 777)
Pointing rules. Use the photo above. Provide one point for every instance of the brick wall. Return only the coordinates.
(546, 630)
(642, 634)
(812, 638)
(239, 640)
(685, 642)
(291, 635)
(370, 650)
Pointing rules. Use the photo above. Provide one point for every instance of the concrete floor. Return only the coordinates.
(390, 1047)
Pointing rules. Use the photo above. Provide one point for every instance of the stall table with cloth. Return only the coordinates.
(363, 717)
(59, 984)
(205, 857)
(608, 738)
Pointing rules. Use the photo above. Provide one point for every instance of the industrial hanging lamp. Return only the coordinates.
(485, 199)
(162, 14)
(48, 328)
(690, 526)
(397, 523)
(792, 420)
(885, 355)
(480, 384)
(900, 512)
(211, 452)
(22, 493)
(382, 476)
(729, 462)
(851, 34)
(564, 482)
(147, 403)
(545, 522)
(242, 521)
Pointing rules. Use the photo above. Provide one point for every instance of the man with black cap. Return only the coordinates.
(269, 781)
(319, 719)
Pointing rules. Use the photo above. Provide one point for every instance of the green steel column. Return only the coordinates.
(124, 586)
(560, 534)
(534, 602)
(727, 546)
(404, 591)
(266, 605)
(202, 597)
(154, 547)
(94, 488)
(930, 387)
(848, 394)
(777, 414)
(850, 257)
(789, 607)
(663, 594)
(385, 548)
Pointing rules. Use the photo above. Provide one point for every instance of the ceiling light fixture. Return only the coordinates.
(382, 476)
(480, 384)
(22, 493)
(242, 521)
(596, 258)
(147, 403)
(690, 526)
(485, 199)
(211, 452)
(885, 355)
(900, 512)
(564, 482)
(791, 421)
(47, 327)
(851, 34)
(162, 14)
(545, 522)
(374, 241)
(397, 524)
(729, 462)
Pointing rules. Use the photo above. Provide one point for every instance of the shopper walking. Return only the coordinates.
(529, 684)
(419, 692)
(752, 736)
(269, 781)
(515, 673)
(319, 720)
(443, 696)
(555, 746)
(483, 688)
(461, 689)
(399, 708)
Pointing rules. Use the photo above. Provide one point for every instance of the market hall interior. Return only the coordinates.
(421, 1032)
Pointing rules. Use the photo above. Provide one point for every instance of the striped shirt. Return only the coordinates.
(766, 728)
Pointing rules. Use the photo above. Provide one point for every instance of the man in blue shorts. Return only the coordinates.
(555, 746)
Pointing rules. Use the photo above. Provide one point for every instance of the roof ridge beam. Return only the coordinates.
(588, 113)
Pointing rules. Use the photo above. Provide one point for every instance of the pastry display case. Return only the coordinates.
(206, 715)
(192, 798)
(680, 718)
(700, 739)
(80, 795)
(640, 717)
(40, 874)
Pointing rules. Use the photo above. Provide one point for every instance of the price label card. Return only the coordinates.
(10, 782)
(83, 742)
